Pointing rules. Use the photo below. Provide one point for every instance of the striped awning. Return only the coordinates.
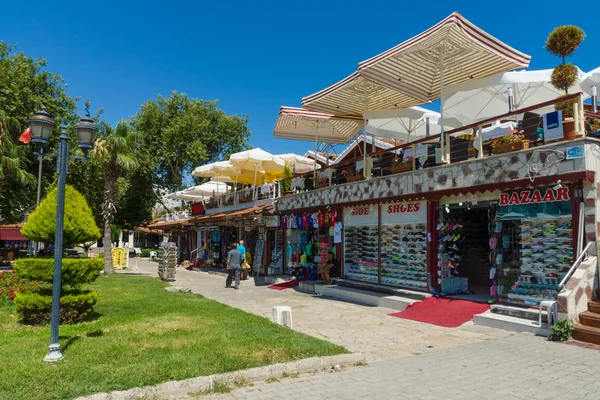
(356, 94)
(300, 124)
(454, 49)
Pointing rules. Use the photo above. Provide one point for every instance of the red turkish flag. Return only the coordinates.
(25, 136)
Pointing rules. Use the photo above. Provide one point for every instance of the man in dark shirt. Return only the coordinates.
(234, 262)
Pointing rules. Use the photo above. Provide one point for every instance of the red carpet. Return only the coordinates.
(285, 285)
(442, 312)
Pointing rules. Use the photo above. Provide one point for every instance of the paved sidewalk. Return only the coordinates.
(518, 367)
(368, 330)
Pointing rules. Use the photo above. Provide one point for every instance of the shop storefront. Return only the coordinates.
(12, 243)
(309, 237)
(511, 246)
(387, 244)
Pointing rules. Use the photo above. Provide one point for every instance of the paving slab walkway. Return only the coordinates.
(368, 330)
(513, 368)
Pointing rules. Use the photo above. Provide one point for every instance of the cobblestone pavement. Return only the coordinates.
(518, 367)
(368, 330)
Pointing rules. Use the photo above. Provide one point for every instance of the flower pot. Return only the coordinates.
(354, 178)
(288, 193)
(505, 148)
(321, 185)
(396, 169)
(569, 129)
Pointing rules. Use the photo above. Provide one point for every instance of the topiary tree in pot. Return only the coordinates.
(562, 42)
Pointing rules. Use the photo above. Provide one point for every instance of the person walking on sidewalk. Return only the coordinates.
(234, 261)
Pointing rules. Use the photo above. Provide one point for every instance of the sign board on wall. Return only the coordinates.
(413, 212)
(361, 216)
(553, 128)
(272, 221)
(575, 152)
(541, 202)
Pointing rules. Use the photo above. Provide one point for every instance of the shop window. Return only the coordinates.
(404, 245)
(361, 243)
(543, 248)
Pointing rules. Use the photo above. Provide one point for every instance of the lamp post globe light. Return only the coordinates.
(42, 126)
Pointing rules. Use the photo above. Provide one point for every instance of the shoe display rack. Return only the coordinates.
(546, 256)
(361, 253)
(404, 255)
(450, 235)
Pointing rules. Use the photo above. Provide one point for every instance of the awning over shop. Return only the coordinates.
(11, 234)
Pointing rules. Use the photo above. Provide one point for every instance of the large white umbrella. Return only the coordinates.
(354, 95)
(589, 83)
(222, 178)
(301, 124)
(258, 160)
(181, 195)
(450, 52)
(227, 169)
(299, 164)
(407, 124)
(485, 98)
(206, 189)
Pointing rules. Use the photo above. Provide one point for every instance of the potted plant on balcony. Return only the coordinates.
(286, 181)
(562, 42)
(511, 141)
(352, 176)
(323, 182)
(402, 166)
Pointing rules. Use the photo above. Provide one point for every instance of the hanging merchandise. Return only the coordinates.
(337, 233)
(451, 235)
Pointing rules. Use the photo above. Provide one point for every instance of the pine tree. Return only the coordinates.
(80, 226)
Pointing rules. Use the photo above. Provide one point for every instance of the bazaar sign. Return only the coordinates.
(535, 196)
(541, 202)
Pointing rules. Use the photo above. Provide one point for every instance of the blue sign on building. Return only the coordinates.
(575, 152)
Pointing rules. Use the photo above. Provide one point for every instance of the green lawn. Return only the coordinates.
(144, 335)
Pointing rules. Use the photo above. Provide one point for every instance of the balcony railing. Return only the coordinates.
(472, 141)
(269, 191)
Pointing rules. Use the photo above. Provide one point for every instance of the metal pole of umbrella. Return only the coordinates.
(594, 99)
(443, 140)
(510, 100)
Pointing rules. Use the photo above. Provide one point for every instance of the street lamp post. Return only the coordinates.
(86, 134)
(42, 126)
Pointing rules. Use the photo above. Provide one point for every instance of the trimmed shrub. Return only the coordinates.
(34, 308)
(80, 226)
(146, 252)
(75, 271)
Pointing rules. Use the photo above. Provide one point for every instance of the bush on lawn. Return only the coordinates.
(75, 305)
(35, 308)
(75, 271)
(146, 252)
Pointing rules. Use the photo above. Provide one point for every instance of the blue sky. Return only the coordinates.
(251, 55)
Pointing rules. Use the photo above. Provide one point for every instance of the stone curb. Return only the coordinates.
(181, 389)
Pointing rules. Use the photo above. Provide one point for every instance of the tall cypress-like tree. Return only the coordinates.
(79, 227)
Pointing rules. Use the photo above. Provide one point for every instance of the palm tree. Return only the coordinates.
(116, 147)
(13, 158)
